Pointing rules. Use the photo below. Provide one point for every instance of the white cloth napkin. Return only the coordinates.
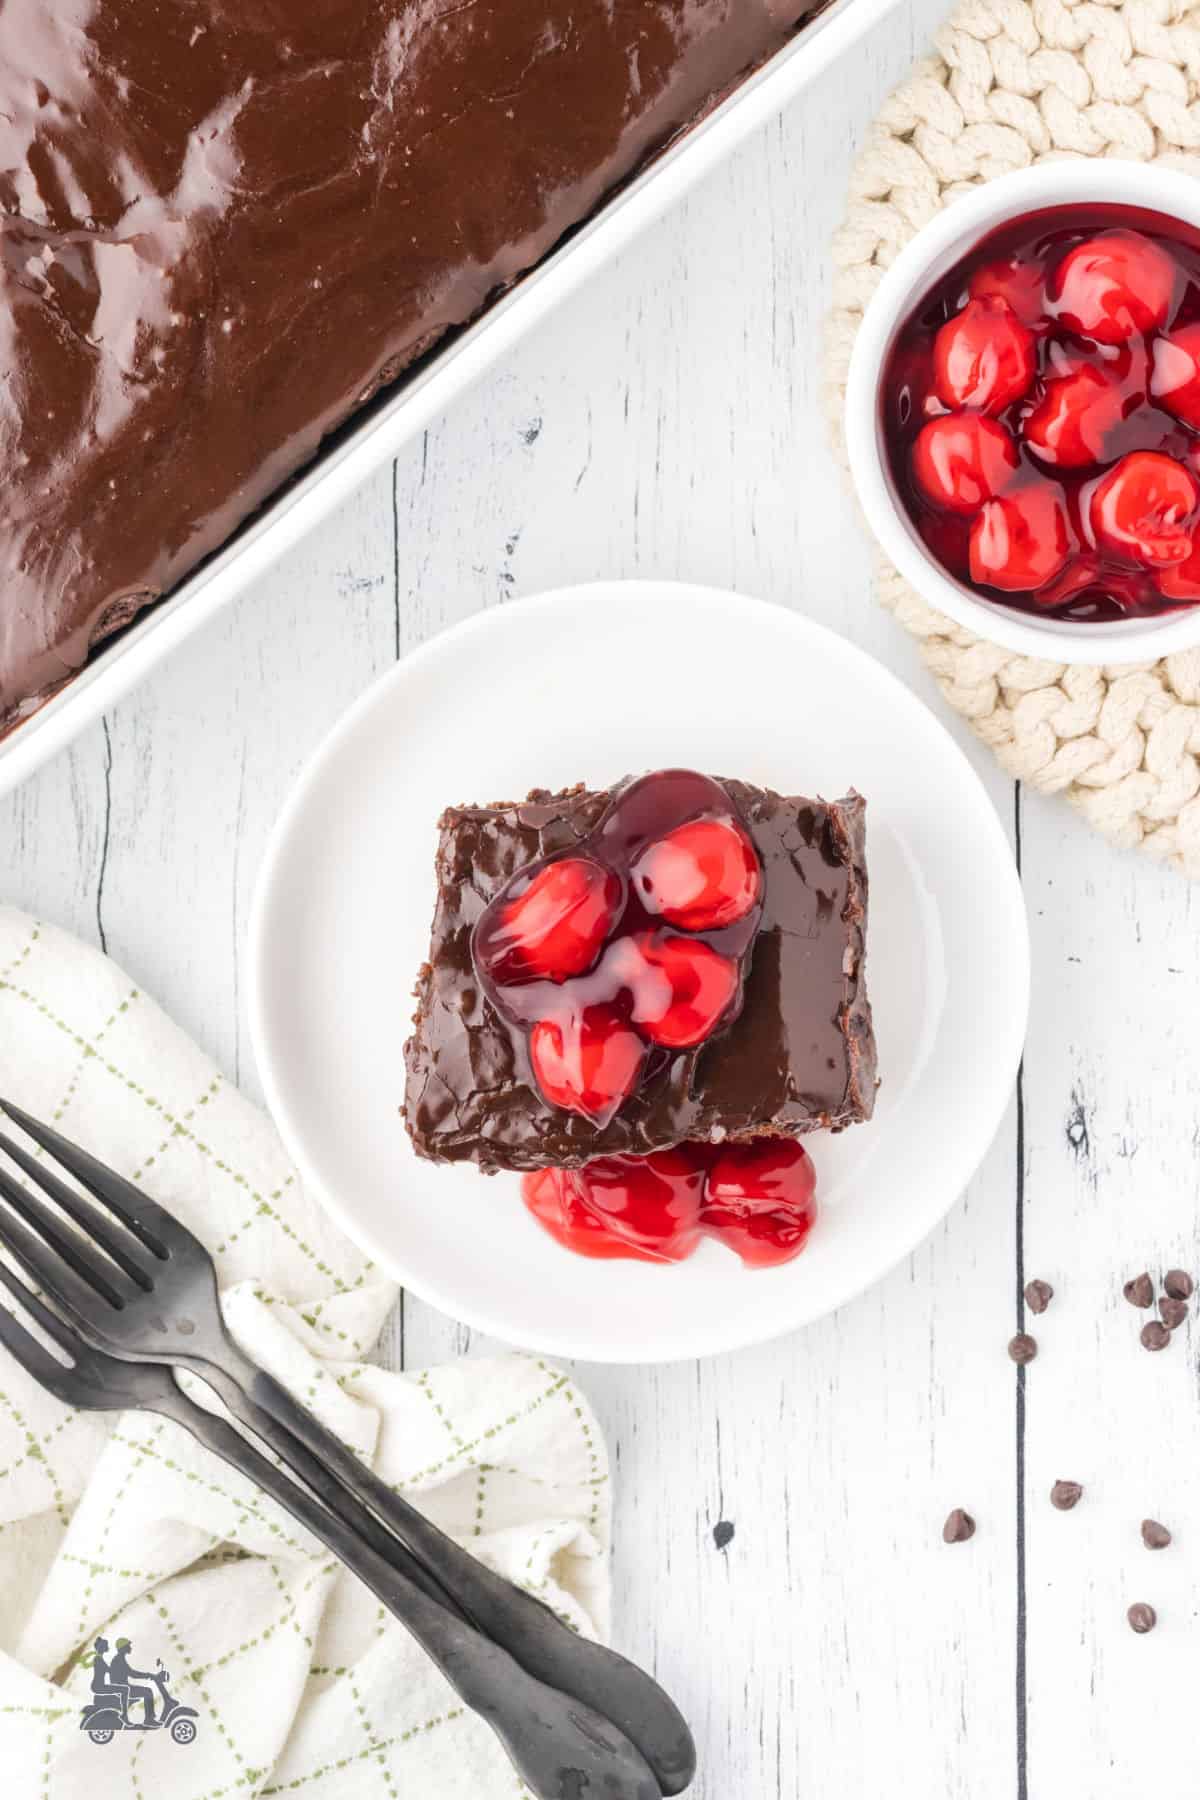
(120, 1525)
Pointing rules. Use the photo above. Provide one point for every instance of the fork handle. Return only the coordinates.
(315, 1471)
(558, 1746)
(538, 1639)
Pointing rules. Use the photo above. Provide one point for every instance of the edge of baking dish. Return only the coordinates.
(355, 451)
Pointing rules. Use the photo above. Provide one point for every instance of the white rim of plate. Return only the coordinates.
(429, 654)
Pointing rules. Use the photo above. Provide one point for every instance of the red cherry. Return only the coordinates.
(757, 1198)
(646, 1207)
(1081, 572)
(1069, 425)
(553, 928)
(1144, 509)
(761, 1199)
(682, 989)
(1182, 580)
(1018, 284)
(554, 1199)
(700, 876)
(587, 1064)
(1114, 286)
(983, 357)
(963, 459)
(650, 1203)
(1022, 539)
(1175, 382)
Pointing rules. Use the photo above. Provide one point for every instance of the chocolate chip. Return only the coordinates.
(958, 1527)
(723, 1533)
(1143, 1618)
(1065, 1495)
(1139, 1291)
(1038, 1295)
(1154, 1535)
(1172, 1312)
(1155, 1336)
(1022, 1348)
(1178, 1284)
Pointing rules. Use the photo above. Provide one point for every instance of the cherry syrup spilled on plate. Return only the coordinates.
(758, 1198)
(1041, 415)
(631, 946)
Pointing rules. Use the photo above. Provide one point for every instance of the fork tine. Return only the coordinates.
(94, 1380)
(55, 1266)
(94, 1223)
(136, 1211)
(33, 1357)
(37, 1309)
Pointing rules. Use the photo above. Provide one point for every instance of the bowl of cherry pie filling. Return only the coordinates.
(1023, 411)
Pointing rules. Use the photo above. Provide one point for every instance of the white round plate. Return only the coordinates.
(592, 684)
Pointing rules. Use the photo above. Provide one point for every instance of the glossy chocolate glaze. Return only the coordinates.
(224, 224)
(799, 1056)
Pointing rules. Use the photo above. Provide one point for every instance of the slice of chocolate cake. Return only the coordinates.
(767, 1030)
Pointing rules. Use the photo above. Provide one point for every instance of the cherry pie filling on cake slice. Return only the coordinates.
(641, 999)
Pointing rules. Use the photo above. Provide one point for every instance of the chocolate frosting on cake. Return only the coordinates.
(800, 1055)
(224, 224)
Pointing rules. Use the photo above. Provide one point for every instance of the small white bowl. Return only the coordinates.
(935, 249)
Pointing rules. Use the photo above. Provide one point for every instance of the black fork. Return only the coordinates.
(559, 1746)
(140, 1286)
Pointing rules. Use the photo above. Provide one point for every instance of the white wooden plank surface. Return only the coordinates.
(668, 422)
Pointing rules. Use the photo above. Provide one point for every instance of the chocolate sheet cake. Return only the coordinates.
(799, 1056)
(225, 224)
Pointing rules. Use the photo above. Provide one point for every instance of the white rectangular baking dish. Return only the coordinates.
(360, 448)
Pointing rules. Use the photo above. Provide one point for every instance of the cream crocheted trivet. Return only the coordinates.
(1016, 83)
